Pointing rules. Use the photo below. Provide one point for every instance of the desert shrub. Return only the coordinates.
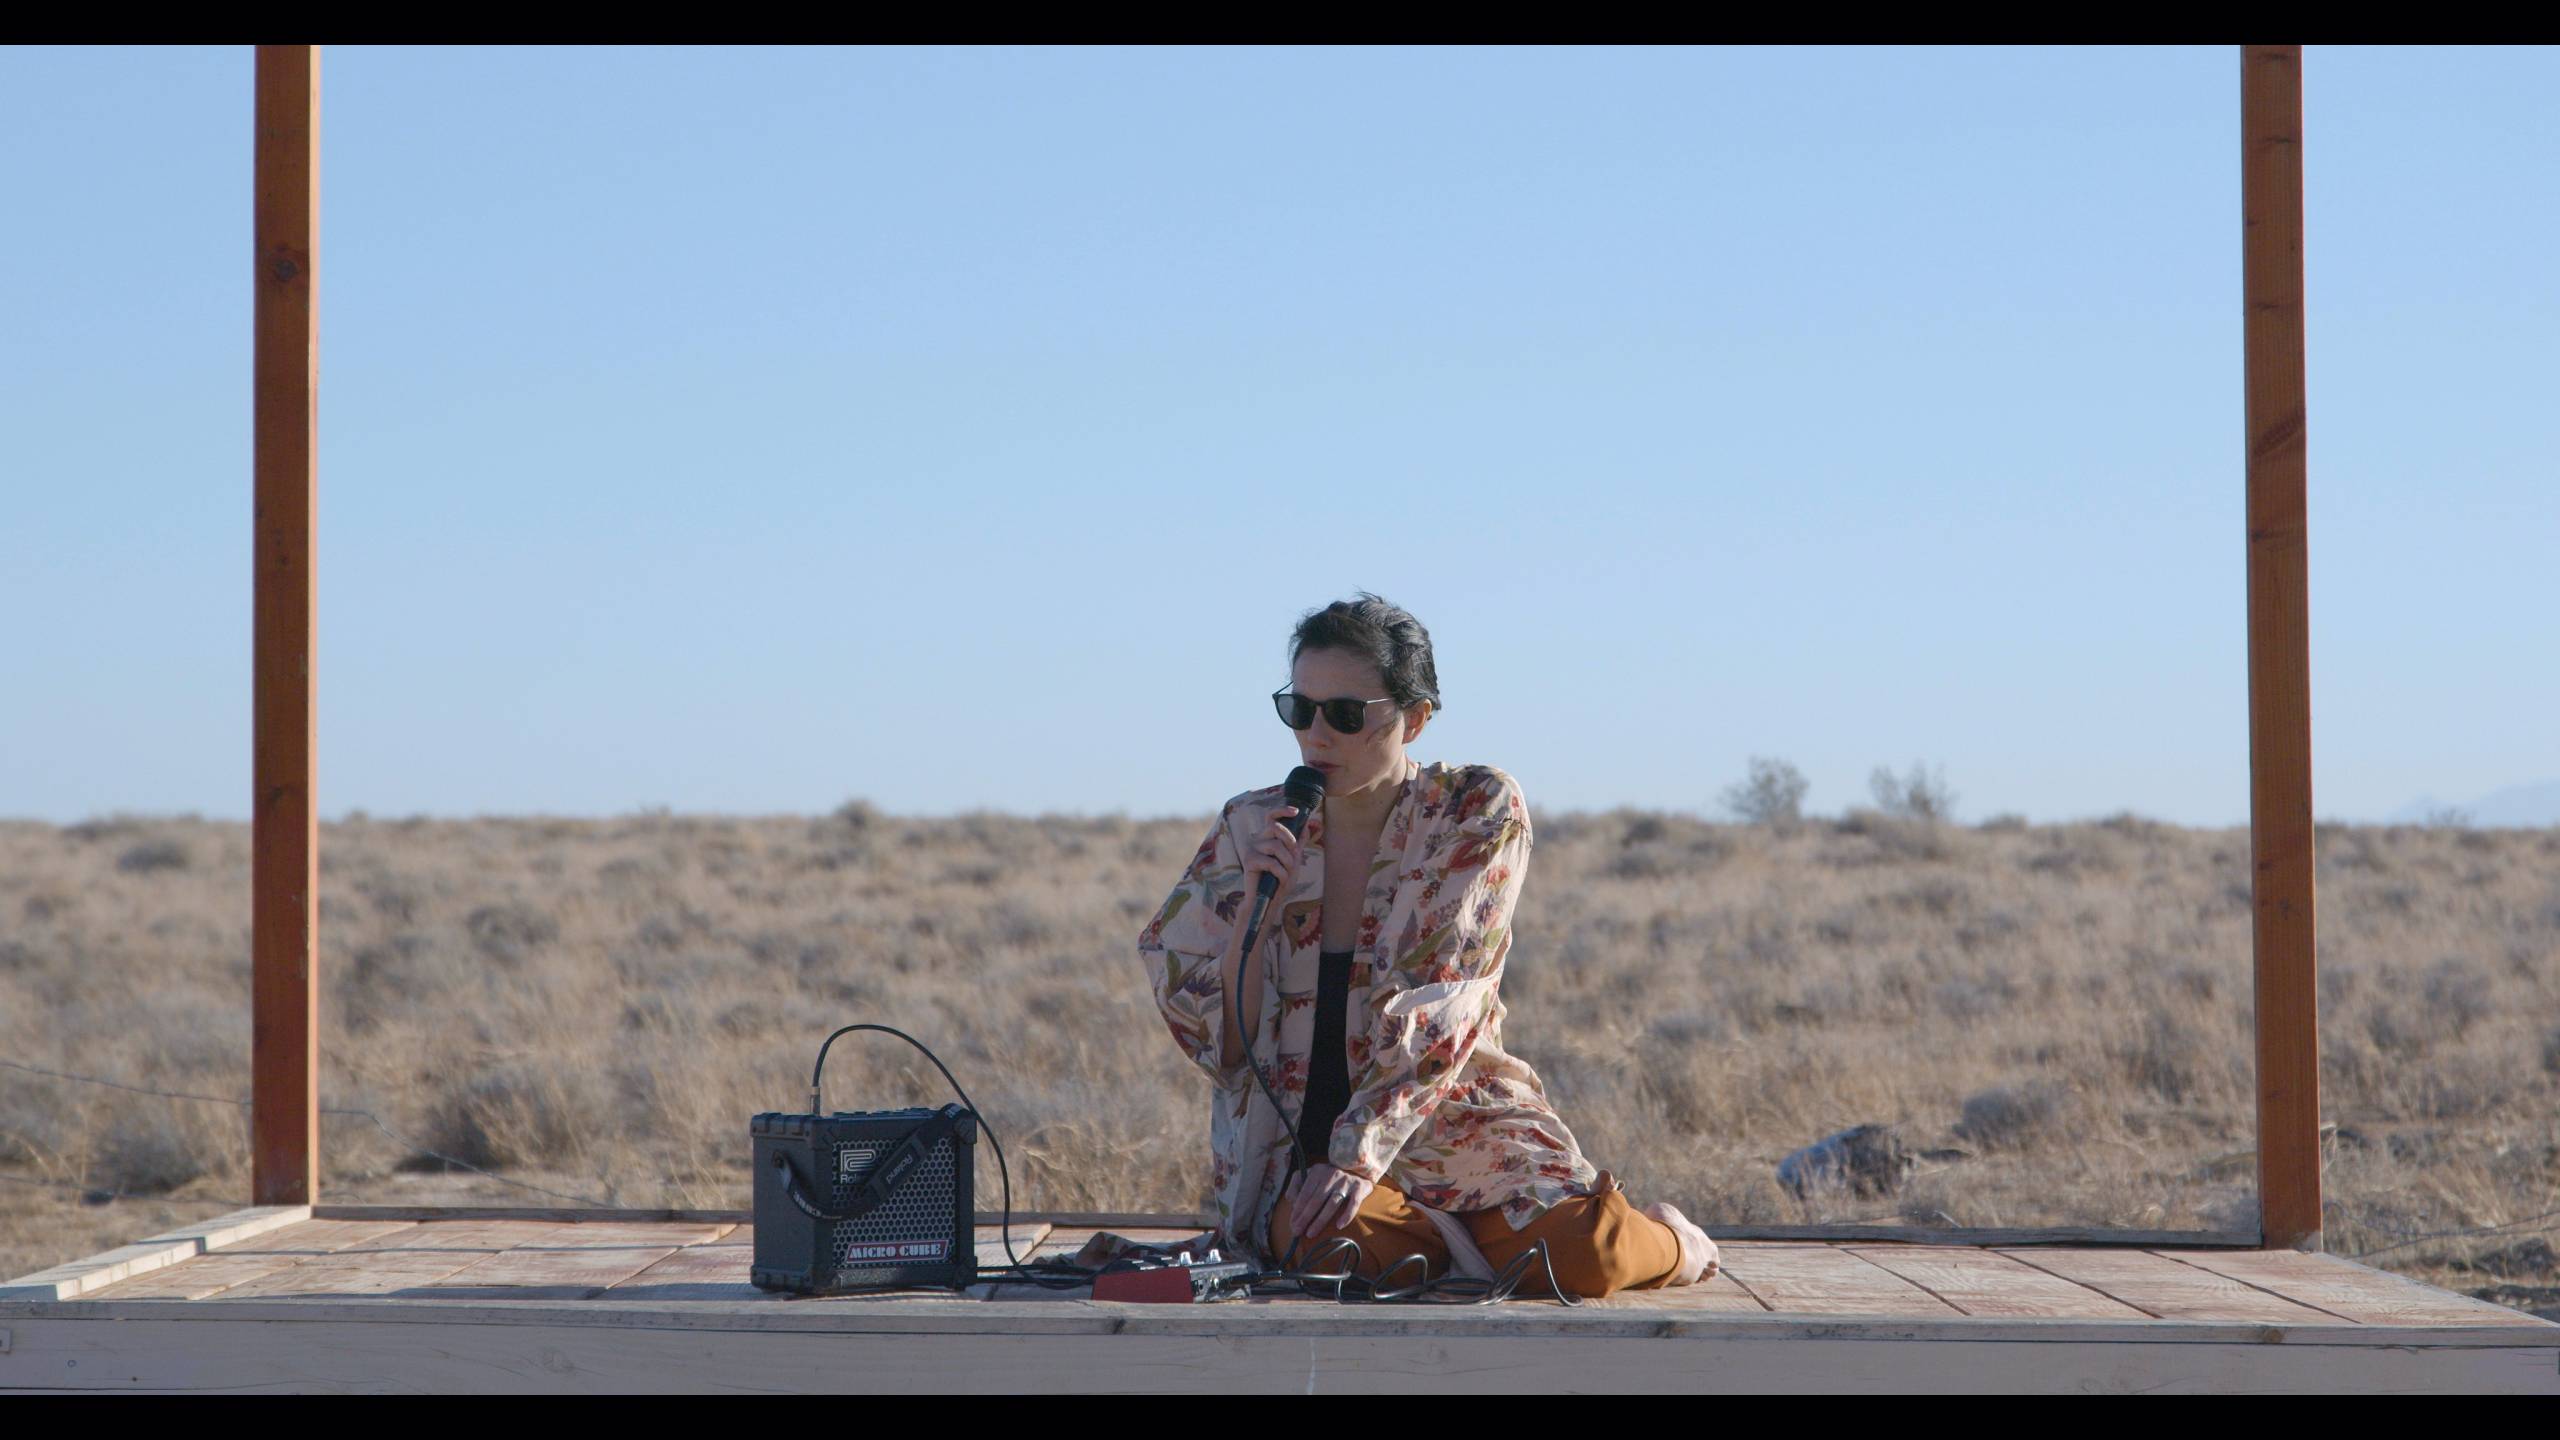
(1940, 896)
(2336, 846)
(1919, 796)
(2073, 851)
(513, 1115)
(146, 1150)
(754, 1016)
(1772, 795)
(844, 839)
(32, 1130)
(2457, 993)
(410, 966)
(510, 931)
(1983, 928)
(1970, 997)
(1684, 1099)
(151, 855)
(2138, 827)
(2461, 1087)
(1683, 1028)
(2392, 1031)
(1645, 862)
(1892, 837)
(2164, 1057)
(395, 899)
(1017, 926)
(634, 870)
(107, 827)
(2011, 1116)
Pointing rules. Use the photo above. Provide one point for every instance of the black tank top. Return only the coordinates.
(1328, 1061)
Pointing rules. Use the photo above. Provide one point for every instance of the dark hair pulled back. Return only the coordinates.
(1384, 634)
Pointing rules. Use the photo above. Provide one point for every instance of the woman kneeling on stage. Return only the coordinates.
(1371, 1005)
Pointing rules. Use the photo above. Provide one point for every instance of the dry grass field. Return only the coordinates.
(2061, 1013)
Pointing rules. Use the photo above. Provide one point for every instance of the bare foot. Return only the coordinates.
(1698, 1258)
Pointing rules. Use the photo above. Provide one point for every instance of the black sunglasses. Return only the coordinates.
(1344, 713)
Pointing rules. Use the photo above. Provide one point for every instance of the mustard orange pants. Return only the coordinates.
(1599, 1244)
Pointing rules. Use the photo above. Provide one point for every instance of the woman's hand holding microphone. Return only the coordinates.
(1274, 852)
(1320, 1198)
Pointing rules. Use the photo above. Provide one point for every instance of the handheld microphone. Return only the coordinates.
(1303, 791)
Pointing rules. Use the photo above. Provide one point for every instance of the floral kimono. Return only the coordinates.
(1437, 1108)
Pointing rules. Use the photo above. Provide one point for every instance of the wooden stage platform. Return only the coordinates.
(381, 1298)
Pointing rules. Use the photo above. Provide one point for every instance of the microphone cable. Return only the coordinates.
(1234, 1003)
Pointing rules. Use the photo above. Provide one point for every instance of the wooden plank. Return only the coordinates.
(1979, 1237)
(402, 1258)
(613, 1234)
(2171, 1289)
(714, 1271)
(75, 1278)
(378, 1258)
(2280, 833)
(1716, 1294)
(983, 1218)
(284, 864)
(234, 1228)
(573, 1274)
(875, 1315)
(1986, 1282)
(515, 1356)
(1028, 1237)
(988, 1240)
(468, 1236)
(260, 1254)
(571, 1262)
(2356, 1292)
(557, 1214)
(317, 1237)
(196, 1279)
(1801, 1280)
(349, 1274)
(718, 1270)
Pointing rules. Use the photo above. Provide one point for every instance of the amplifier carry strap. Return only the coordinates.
(887, 1174)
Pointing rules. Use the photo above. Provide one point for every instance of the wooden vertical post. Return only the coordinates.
(2280, 833)
(284, 869)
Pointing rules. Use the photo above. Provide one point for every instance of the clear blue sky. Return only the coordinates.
(744, 430)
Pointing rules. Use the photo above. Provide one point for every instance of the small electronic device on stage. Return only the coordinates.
(1180, 1281)
(850, 1202)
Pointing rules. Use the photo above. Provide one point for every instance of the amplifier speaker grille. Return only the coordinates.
(920, 1206)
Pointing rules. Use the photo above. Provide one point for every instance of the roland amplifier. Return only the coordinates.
(872, 1201)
